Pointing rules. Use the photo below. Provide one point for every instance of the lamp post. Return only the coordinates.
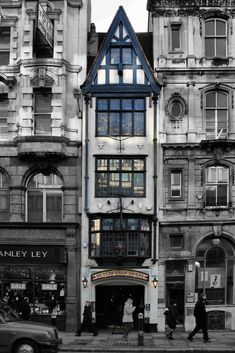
(155, 282)
(85, 282)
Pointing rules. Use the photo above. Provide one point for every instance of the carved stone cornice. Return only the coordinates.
(6, 19)
(183, 8)
(75, 3)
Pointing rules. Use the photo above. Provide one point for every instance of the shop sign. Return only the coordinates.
(45, 25)
(17, 286)
(33, 254)
(49, 286)
(147, 307)
(120, 273)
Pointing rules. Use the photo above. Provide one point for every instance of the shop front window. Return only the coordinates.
(45, 288)
(49, 291)
(214, 271)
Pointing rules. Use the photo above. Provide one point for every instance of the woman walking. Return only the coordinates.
(128, 316)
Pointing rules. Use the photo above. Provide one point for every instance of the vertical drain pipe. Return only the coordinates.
(155, 195)
(86, 177)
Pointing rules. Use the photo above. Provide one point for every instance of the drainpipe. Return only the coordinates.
(86, 177)
(155, 195)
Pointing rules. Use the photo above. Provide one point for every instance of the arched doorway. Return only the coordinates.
(110, 301)
(215, 277)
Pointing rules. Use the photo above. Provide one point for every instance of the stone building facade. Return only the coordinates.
(194, 58)
(42, 65)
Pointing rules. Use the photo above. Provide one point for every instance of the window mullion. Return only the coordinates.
(44, 205)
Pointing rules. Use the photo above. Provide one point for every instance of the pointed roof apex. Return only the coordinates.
(126, 37)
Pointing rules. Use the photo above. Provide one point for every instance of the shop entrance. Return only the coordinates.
(175, 293)
(110, 302)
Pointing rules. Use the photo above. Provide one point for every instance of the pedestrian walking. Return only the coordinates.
(201, 319)
(171, 314)
(87, 320)
(127, 318)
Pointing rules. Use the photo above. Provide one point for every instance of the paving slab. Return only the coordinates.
(105, 341)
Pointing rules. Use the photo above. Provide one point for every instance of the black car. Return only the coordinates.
(19, 336)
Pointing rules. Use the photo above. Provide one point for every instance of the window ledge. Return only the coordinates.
(41, 146)
(217, 61)
(176, 52)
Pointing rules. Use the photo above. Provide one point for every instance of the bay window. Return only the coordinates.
(126, 236)
(120, 176)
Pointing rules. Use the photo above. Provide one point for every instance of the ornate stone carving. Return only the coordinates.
(42, 79)
(170, 8)
(176, 108)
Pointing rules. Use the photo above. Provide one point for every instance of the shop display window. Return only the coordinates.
(215, 271)
(44, 287)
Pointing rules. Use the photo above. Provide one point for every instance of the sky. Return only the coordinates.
(103, 12)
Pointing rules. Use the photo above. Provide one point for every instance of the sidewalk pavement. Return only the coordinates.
(105, 341)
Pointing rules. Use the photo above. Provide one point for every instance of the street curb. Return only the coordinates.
(146, 350)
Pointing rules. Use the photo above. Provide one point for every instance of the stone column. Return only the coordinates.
(191, 181)
(72, 307)
(190, 295)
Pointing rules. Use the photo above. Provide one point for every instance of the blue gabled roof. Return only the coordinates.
(152, 86)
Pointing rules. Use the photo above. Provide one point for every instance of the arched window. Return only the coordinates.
(214, 270)
(4, 196)
(44, 198)
(216, 37)
(216, 110)
(217, 186)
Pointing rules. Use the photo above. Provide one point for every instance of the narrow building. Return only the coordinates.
(119, 220)
(194, 60)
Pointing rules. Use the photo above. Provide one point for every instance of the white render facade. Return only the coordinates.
(118, 236)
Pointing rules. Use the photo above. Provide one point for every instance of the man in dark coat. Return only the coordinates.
(87, 320)
(201, 319)
(171, 314)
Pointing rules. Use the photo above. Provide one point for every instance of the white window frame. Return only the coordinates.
(175, 187)
(215, 37)
(177, 25)
(220, 134)
(46, 190)
(216, 184)
(7, 48)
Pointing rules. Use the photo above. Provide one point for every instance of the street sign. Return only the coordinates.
(45, 25)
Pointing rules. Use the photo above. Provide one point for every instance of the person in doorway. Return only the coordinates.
(87, 320)
(171, 314)
(127, 318)
(25, 309)
(201, 319)
(15, 304)
(54, 316)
